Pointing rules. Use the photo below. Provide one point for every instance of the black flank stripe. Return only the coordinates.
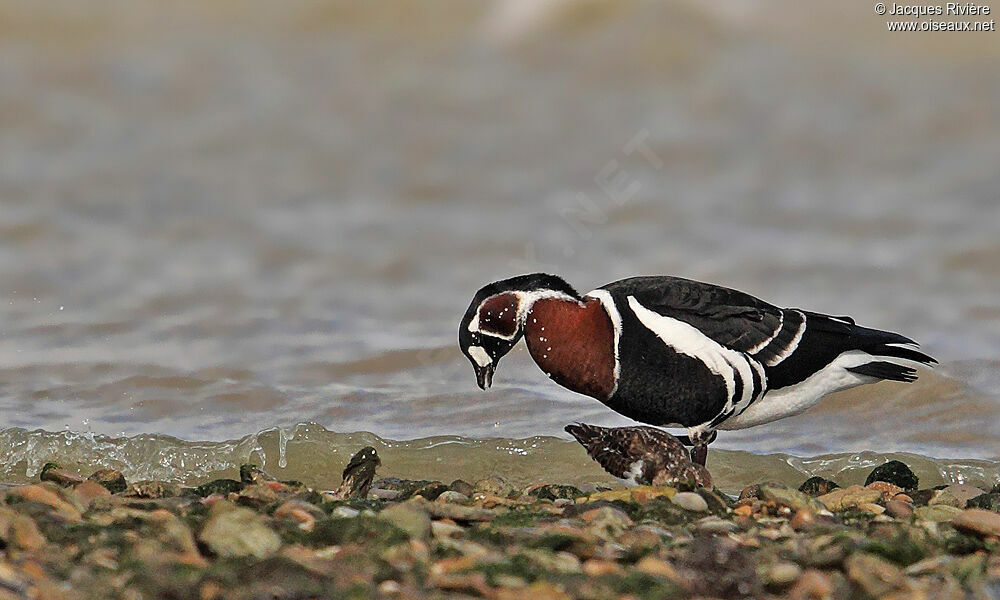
(757, 384)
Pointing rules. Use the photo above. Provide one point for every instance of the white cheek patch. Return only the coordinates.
(479, 355)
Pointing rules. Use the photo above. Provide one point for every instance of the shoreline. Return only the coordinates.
(103, 537)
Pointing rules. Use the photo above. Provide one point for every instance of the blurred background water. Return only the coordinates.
(225, 218)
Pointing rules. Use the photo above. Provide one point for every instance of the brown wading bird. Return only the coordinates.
(359, 474)
(673, 352)
(641, 455)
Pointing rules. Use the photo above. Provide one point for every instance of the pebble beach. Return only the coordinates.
(100, 536)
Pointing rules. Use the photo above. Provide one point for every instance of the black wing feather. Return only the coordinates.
(732, 318)
(791, 343)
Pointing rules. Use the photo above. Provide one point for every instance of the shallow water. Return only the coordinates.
(220, 219)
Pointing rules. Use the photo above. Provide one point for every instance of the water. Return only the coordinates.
(223, 219)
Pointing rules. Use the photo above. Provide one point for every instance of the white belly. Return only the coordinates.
(793, 399)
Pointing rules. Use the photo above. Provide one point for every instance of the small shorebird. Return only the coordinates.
(641, 455)
(358, 474)
(673, 352)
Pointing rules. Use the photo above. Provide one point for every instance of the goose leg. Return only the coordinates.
(699, 446)
(699, 453)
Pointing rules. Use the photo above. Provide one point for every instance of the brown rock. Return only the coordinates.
(257, 495)
(888, 489)
(803, 519)
(494, 485)
(743, 510)
(303, 513)
(872, 508)
(235, 531)
(457, 512)
(452, 565)
(462, 487)
(468, 583)
(876, 576)
(48, 496)
(596, 568)
(660, 568)
(644, 493)
(782, 573)
(59, 476)
(977, 521)
(812, 585)
(24, 533)
(153, 489)
(899, 509)
(945, 498)
(963, 493)
(606, 522)
(750, 492)
(112, 479)
(849, 497)
(937, 514)
(88, 491)
(540, 590)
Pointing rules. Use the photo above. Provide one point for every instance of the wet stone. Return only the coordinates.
(845, 498)
(219, 486)
(55, 474)
(458, 512)
(554, 492)
(936, 514)
(894, 472)
(876, 576)
(817, 486)
(782, 574)
(888, 490)
(690, 501)
(987, 501)
(899, 509)
(606, 521)
(111, 479)
(404, 488)
(751, 492)
(52, 496)
(432, 490)
(345, 512)
(963, 493)
(921, 497)
(783, 496)
(381, 494)
(462, 487)
(154, 489)
(89, 491)
(257, 496)
(409, 517)
(24, 534)
(494, 485)
(714, 525)
(233, 531)
(452, 496)
(978, 521)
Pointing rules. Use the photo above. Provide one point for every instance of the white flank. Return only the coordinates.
(791, 345)
(793, 399)
(688, 340)
(616, 323)
(479, 355)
